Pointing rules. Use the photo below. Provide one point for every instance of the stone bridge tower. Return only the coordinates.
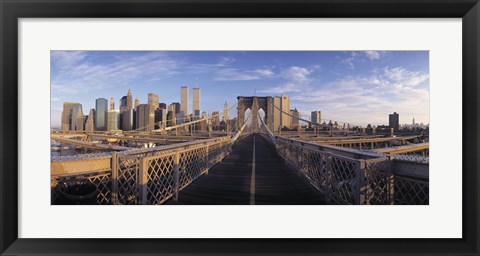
(254, 103)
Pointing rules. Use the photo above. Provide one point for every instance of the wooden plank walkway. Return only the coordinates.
(239, 180)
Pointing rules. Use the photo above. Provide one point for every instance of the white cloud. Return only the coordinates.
(77, 74)
(373, 55)
(402, 77)
(296, 74)
(234, 74)
(282, 89)
(66, 59)
(368, 99)
(349, 61)
(264, 72)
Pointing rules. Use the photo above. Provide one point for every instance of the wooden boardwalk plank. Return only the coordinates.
(228, 183)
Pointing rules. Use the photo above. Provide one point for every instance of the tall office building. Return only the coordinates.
(225, 111)
(295, 119)
(160, 118)
(196, 102)
(171, 114)
(77, 118)
(153, 100)
(129, 99)
(145, 117)
(89, 124)
(113, 120)
(67, 115)
(215, 120)
(101, 105)
(137, 103)
(127, 120)
(393, 121)
(162, 105)
(316, 117)
(112, 104)
(177, 107)
(184, 100)
(123, 104)
(281, 111)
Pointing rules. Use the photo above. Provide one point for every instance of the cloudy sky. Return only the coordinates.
(356, 87)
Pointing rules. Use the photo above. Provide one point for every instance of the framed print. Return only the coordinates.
(221, 127)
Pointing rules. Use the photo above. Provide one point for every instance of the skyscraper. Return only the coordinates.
(184, 100)
(89, 124)
(101, 105)
(153, 100)
(281, 111)
(127, 119)
(215, 120)
(196, 102)
(316, 117)
(145, 117)
(123, 104)
(113, 120)
(77, 120)
(177, 107)
(225, 111)
(137, 102)
(171, 114)
(129, 99)
(393, 121)
(67, 115)
(112, 104)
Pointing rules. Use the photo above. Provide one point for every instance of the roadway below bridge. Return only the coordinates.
(252, 174)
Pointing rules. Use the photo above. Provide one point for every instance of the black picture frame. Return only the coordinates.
(12, 10)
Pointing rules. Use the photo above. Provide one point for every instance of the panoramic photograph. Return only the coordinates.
(239, 127)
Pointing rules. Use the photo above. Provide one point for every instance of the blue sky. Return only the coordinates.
(356, 87)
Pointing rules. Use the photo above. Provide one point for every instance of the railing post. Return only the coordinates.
(114, 178)
(328, 176)
(359, 192)
(176, 173)
(390, 181)
(143, 181)
(207, 157)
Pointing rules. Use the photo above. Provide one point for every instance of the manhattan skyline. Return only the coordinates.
(358, 87)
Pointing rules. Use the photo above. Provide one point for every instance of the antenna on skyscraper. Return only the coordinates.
(196, 82)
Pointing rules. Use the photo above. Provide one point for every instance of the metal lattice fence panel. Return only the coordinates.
(342, 180)
(411, 191)
(217, 152)
(378, 182)
(313, 165)
(161, 178)
(193, 163)
(104, 186)
(101, 180)
(127, 179)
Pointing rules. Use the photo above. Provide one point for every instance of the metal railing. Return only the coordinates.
(140, 176)
(347, 176)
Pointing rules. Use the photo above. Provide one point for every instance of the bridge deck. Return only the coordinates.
(231, 182)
